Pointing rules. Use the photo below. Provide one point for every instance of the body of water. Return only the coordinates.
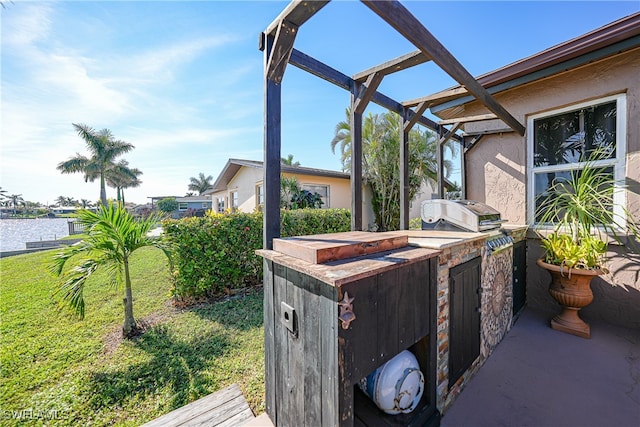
(14, 233)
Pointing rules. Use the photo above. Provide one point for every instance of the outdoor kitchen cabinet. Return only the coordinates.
(464, 334)
(519, 276)
(329, 325)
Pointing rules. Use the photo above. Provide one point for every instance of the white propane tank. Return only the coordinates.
(397, 386)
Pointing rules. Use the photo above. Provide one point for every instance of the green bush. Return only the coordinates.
(415, 223)
(168, 204)
(215, 254)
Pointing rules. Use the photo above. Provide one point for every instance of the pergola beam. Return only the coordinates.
(474, 141)
(281, 51)
(297, 13)
(325, 72)
(409, 124)
(488, 132)
(396, 15)
(441, 96)
(367, 90)
(397, 64)
(447, 136)
(319, 69)
(468, 119)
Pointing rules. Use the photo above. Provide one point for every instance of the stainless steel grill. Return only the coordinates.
(465, 215)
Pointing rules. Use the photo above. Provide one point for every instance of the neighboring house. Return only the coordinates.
(239, 185)
(65, 209)
(585, 91)
(156, 199)
(194, 203)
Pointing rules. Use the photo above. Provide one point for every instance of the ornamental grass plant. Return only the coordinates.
(583, 215)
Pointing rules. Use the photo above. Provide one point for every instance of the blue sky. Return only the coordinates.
(183, 82)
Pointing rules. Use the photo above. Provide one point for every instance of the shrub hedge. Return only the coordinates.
(216, 254)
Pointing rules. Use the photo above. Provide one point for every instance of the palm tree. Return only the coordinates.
(201, 183)
(103, 149)
(66, 201)
(3, 193)
(381, 161)
(289, 161)
(86, 204)
(15, 200)
(121, 176)
(113, 234)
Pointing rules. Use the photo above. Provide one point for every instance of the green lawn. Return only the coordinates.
(80, 371)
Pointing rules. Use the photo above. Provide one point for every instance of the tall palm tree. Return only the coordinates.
(121, 176)
(381, 161)
(16, 199)
(113, 234)
(200, 184)
(86, 204)
(289, 161)
(103, 149)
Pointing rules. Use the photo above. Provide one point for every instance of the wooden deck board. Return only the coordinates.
(225, 407)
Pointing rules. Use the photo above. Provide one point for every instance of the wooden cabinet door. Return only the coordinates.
(464, 317)
(519, 276)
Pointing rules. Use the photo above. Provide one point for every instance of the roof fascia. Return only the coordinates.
(398, 17)
(547, 72)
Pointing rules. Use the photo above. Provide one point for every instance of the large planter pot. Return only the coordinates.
(572, 289)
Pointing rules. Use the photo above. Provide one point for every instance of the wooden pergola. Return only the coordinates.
(277, 43)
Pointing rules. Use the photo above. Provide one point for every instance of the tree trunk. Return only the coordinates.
(129, 328)
(103, 191)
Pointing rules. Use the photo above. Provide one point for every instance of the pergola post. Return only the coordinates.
(404, 174)
(355, 122)
(272, 142)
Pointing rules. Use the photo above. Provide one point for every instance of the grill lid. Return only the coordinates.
(466, 214)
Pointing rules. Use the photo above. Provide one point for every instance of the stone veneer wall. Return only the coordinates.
(496, 309)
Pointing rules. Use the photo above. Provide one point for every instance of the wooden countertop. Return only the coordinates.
(336, 273)
(437, 239)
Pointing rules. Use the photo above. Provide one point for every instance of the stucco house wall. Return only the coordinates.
(244, 182)
(339, 189)
(496, 173)
(247, 179)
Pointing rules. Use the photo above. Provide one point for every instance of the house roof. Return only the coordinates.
(611, 39)
(200, 198)
(233, 166)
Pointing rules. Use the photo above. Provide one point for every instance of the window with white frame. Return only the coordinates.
(322, 190)
(220, 204)
(560, 141)
(259, 195)
(183, 206)
(234, 200)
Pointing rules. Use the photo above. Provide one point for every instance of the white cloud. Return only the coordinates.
(24, 27)
(178, 138)
(144, 96)
(163, 60)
